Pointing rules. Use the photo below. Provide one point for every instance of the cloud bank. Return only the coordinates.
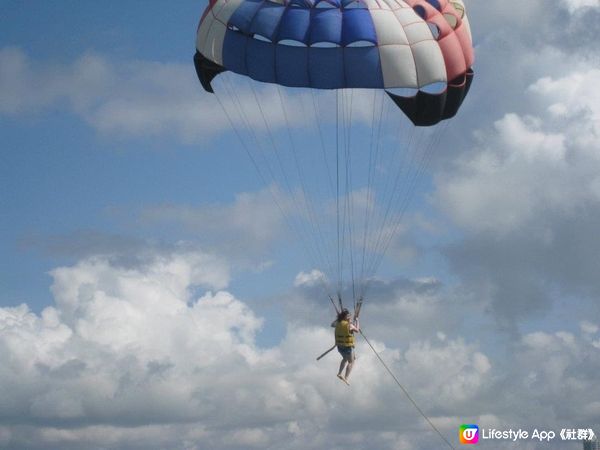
(138, 357)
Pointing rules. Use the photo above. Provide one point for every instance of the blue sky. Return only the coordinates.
(61, 176)
(151, 295)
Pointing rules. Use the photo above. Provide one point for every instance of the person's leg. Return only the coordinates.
(350, 365)
(342, 365)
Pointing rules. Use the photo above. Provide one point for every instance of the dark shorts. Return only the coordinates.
(346, 352)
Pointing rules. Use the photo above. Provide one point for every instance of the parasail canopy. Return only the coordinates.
(306, 93)
(422, 47)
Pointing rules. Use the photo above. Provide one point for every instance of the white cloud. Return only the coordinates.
(575, 5)
(24, 89)
(526, 194)
(454, 370)
(312, 278)
(250, 223)
(574, 104)
(129, 353)
(134, 98)
(589, 327)
(529, 166)
(131, 98)
(130, 357)
(557, 364)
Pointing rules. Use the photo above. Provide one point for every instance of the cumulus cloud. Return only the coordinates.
(130, 353)
(576, 5)
(519, 158)
(588, 327)
(135, 357)
(119, 342)
(309, 279)
(245, 227)
(560, 365)
(132, 98)
(24, 88)
(527, 196)
(514, 47)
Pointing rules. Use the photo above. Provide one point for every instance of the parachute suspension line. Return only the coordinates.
(405, 392)
(276, 150)
(235, 100)
(376, 150)
(337, 192)
(323, 190)
(301, 178)
(370, 194)
(253, 159)
(328, 174)
(422, 165)
(318, 257)
(390, 190)
(349, 187)
(358, 307)
(343, 184)
(337, 310)
(319, 185)
(344, 101)
(249, 129)
(229, 89)
(301, 229)
(393, 192)
(385, 238)
(330, 244)
(242, 141)
(322, 140)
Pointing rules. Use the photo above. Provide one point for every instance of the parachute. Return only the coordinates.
(339, 105)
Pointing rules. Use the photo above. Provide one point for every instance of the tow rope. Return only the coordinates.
(406, 392)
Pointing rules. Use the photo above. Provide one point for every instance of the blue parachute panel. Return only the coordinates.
(326, 26)
(362, 67)
(292, 66)
(295, 25)
(326, 67)
(234, 52)
(260, 60)
(244, 14)
(358, 26)
(266, 21)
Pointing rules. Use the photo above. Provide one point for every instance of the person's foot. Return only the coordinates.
(341, 377)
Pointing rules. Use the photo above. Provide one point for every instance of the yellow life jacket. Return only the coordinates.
(343, 337)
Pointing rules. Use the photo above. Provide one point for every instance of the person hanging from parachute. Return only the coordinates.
(419, 53)
(345, 328)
